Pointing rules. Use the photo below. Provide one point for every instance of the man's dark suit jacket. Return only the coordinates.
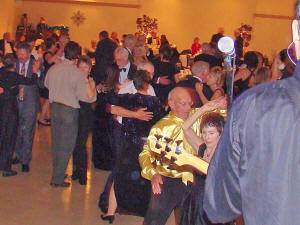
(104, 53)
(104, 56)
(2, 47)
(190, 83)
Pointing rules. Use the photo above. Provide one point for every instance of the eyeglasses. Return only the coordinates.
(185, 103)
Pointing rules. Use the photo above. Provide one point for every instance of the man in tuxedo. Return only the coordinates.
(104, 55)
(28, 106)
(200, 70)
(121, 57)
(6, 45)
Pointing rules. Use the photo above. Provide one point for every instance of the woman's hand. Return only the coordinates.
(36, 65)
(199, 87)
(91, 82)
(164, 80)
(219, 103)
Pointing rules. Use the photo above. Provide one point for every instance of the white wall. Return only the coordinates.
(7, 12)
(182, 20)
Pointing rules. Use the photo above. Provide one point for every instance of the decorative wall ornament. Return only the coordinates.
(146, 25)
(78, 18)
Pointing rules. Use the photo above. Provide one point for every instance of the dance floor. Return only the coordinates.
(28, 199)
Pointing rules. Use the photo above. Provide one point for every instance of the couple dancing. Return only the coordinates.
(132, 192)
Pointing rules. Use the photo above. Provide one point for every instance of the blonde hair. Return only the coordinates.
(218, 73)
(262, 75)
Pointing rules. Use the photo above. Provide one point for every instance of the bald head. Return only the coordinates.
(180, 102)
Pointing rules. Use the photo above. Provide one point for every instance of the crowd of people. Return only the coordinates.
(132, 101)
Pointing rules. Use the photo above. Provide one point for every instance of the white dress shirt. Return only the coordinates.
(124, 74)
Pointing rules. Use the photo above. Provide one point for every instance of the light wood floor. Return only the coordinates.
(28, 199)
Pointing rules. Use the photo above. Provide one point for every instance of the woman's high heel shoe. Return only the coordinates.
(110, 219)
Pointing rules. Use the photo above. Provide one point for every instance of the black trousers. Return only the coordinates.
(80, 155)
(8, 131)
(162, 205)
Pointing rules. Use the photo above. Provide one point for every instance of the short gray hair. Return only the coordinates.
(142, 65)
(121, 51)
(199, 67)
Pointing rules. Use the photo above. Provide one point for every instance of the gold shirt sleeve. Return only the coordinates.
(171, 127)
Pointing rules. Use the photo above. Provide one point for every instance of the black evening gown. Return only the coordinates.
(133, 191)
(193, 213)
(9, 81)
(103, 156)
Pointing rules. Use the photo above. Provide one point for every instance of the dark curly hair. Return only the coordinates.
(212, 119)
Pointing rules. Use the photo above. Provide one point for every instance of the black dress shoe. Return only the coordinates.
(110, 219)
(9, 173)
(25, 168)
(15, 161)
(64, 184)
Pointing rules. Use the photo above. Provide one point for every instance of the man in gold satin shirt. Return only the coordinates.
(168, 186)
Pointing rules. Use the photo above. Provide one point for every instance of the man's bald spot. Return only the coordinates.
(179, 93)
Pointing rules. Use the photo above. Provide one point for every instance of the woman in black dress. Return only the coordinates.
(164, 81)
(211, 127)
(103, 156)
(9, 81)
(129, 190)
(50, 57)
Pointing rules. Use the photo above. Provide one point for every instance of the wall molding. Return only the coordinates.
(89, 2)
(270, 16)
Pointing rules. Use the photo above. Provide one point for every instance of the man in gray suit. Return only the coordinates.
(28, 105)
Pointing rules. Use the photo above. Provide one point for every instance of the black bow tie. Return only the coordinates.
(123, 69)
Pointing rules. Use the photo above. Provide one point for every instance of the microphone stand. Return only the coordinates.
(229, 64)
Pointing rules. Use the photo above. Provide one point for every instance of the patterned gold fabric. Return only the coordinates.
(170, 127)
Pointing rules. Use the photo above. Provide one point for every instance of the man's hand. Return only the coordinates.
(164, 80)
(1, 90)
(142, 114)
(156, 181)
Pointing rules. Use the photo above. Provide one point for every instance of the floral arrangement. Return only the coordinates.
(146, 25)
(245, 31)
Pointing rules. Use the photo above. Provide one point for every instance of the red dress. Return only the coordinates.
(195, 48)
